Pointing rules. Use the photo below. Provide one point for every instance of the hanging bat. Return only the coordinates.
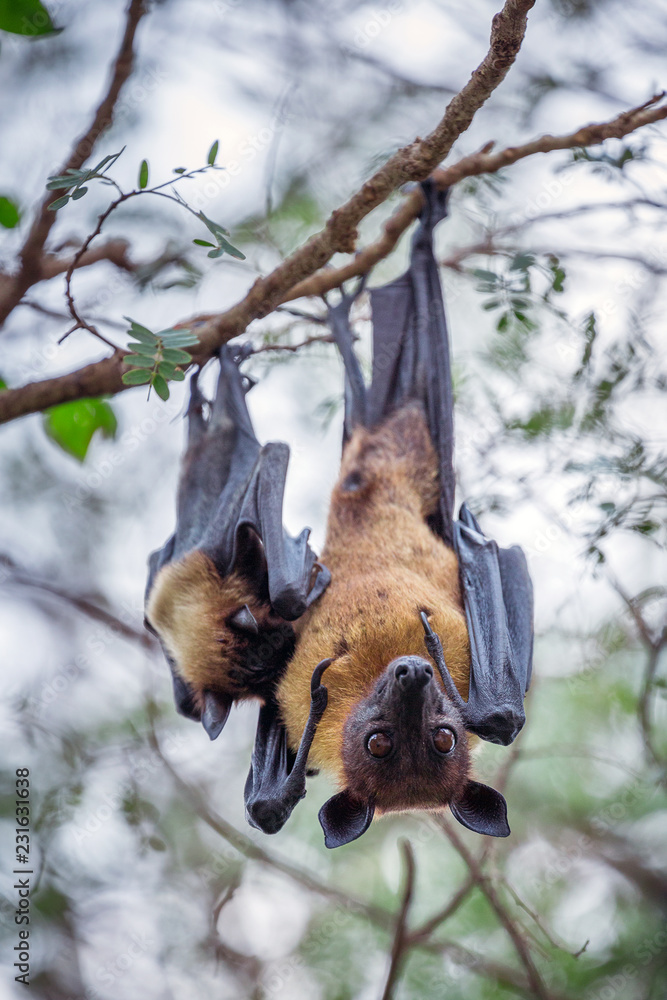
(406, 580)
(223, 590)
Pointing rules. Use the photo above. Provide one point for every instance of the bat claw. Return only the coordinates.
(215, 714)
(427, 625)
(315, 681)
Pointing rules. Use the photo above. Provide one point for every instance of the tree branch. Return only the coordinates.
(14, 575)
(114, 250)
(288, 282)
(31, 253)
(402, 942)
(414, 162)
(482, 881)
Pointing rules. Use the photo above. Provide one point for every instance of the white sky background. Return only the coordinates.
(206, 71)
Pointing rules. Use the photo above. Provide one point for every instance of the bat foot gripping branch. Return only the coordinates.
(277, 777)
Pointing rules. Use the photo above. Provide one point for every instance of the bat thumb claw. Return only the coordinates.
(215, 713)
(316, 679)
(425, 622)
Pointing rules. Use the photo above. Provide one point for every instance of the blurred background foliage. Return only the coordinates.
(149, 883)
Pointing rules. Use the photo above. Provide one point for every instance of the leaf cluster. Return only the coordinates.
(73, 182)
(157, 358)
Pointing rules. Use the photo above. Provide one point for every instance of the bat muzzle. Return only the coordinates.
(411, 673)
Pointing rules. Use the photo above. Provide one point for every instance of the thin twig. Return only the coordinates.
(294, 347)
(401, 942)
(32, 250)
(535, 917)
(514, 932)
(247, 847)
(414, 162)
(286, 282)
(81, 604)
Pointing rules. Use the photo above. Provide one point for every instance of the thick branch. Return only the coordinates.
(32, 250)
(412, 163)
(483, 162)
(104, 377)
(114, 250)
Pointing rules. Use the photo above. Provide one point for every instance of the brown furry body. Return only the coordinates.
(387, 566)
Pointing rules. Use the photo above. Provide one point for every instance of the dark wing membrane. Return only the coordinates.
(230, 484)
(411, 362)
(498, 598)
(277, 778)
(290, 561)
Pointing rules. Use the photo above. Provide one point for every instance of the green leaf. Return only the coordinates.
(143, 175)
(72, 425)
(178, 338)
(161, 387)
(136, 361)
(177, 375)
(25, 17)
(58, 203)
(187, 340)
(166, 369)
(522, 262)
(179, 170)
(212, 153)
(227, 247)
(483, 275)
(176, 357)
(213, 227)
(9, 213)
(218, 252)
(3, 384)
(203, 243)
(138, 376)
(140, 332)
(145, 350)
(78, 193)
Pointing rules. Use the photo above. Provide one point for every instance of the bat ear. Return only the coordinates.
(215, 713)
(481, 809)
(344, 818)
(184, 699)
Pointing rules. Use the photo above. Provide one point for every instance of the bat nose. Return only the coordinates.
(413, 673)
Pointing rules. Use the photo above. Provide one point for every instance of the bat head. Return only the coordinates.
(405, 747)
(222, 638)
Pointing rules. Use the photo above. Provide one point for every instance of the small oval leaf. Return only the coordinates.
(212, 153)
(138, 376)
(9, 213)
(176, 357)
(161, 387)
(26, 17)
(58, 203)
(143, 175)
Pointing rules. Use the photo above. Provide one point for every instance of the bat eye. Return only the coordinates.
(379, 745)
(444, 740)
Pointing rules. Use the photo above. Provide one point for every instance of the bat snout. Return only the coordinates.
(412, 673)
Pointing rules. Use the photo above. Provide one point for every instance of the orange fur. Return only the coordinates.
(387, 566)
(188, 607)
